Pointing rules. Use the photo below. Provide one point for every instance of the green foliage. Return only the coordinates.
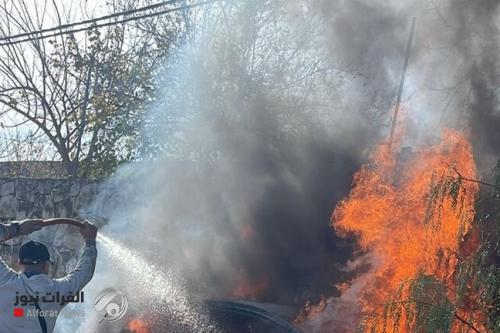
(479, 274)
(433, 311)
(442, 189)
(85, 94)
(123, 86)
(426, 304)
(119, 85)
(422, 305)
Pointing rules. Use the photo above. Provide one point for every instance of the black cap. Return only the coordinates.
(33, 253)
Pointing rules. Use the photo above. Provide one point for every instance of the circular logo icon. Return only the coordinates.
(110, 304)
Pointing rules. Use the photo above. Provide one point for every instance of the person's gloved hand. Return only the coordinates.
(29, 225)
(88, 231)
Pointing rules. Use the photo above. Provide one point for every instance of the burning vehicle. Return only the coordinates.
(248, 317)
(228, 316)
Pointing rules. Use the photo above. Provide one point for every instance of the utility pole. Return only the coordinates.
(402, 83)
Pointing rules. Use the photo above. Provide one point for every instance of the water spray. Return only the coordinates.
(155, 281)
(160, 284)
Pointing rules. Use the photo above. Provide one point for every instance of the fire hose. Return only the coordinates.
(56, 221)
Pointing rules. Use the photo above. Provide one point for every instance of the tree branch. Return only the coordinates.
(474, 180)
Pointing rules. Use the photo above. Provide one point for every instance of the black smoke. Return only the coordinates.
(263, 120)
(477, 40)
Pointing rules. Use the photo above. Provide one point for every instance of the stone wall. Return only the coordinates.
(33, 170)
(22, 198)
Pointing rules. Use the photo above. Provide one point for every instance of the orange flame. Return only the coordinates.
(138, 325)
(410, 211)
(245, 289)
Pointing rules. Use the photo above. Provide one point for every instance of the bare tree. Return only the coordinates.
(83, 94)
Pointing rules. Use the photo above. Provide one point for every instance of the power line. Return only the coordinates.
(93, 22)
(107, 17)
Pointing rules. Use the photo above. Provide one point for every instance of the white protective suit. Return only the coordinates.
(12, 282)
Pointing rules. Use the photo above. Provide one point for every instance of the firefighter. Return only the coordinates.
(30, 300)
